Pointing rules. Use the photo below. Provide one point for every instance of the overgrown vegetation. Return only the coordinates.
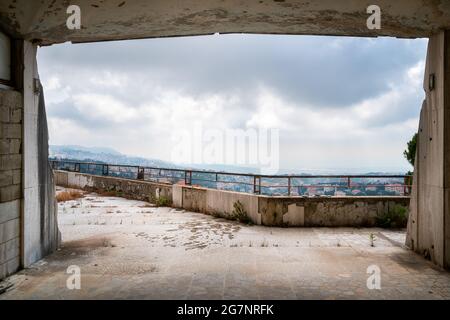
(162, 201)
(372, 239)
(115, 191)
(239, 213)
(410, 152)
(109, 191)
(69, 195)
(217, 214)
(410, 155)
(394, 218)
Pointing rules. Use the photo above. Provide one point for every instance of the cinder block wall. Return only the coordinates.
(11, 109)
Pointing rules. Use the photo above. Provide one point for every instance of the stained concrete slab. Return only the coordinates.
(129, 249)
(45, 21)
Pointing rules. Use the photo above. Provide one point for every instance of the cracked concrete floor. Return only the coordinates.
(128, 249)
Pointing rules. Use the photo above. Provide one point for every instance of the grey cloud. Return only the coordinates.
(319, 71)
(407, 108)
(323, 73)
(66, 110)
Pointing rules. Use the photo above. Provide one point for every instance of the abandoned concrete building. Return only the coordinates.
(28, 226)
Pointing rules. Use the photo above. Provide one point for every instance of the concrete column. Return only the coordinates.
(446, 88)
(429, 222)
(31, 222)
(39, 225)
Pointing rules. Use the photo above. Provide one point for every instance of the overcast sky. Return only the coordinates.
(337, 102)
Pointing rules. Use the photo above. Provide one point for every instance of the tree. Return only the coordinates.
(410, 152)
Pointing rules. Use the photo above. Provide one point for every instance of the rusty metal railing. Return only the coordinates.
(278, 185)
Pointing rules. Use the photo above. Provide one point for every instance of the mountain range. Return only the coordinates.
(101, 154)
(111, 156)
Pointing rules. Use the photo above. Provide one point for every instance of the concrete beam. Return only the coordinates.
(45, 20)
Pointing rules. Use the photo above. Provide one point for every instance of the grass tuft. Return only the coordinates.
(69, 195)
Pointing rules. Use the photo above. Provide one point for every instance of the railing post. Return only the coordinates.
(259, 185)
(289, 186)
(256, 184)
(140, 173)
(188, 177)
(404, 185)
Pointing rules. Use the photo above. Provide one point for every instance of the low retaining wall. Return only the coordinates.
(326, 211)
(260, 209)
(135, 189)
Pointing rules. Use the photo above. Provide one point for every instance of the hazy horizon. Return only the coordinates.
(230, 168)
(337, 102)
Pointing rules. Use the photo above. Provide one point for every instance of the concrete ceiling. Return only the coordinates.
(45, 20)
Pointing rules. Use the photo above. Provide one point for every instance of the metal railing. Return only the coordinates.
(278, 185)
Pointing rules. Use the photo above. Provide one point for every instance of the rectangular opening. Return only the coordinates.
(5, 59)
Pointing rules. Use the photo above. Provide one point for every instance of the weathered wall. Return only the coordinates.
(262, 210)
(194, 199)
(39, 228)
(140, 190)
(219, 202)
(45, 20)
(429, 223)
(326, 212)
(11, 108)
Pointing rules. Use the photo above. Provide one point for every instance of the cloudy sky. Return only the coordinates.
(337, 103)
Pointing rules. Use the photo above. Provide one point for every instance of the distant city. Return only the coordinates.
(374, 185)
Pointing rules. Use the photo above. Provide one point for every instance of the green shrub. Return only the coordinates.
(394, 218)
(239, 213)
(217, 214)
(372, 239)
(162, 202)
(410, 152)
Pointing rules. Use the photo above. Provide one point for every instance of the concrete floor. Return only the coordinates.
(127, 249)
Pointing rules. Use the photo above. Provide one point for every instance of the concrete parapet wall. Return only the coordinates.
(221, 203)
(326, 211)
(261, 210)
(194, 199)
(135, 189)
